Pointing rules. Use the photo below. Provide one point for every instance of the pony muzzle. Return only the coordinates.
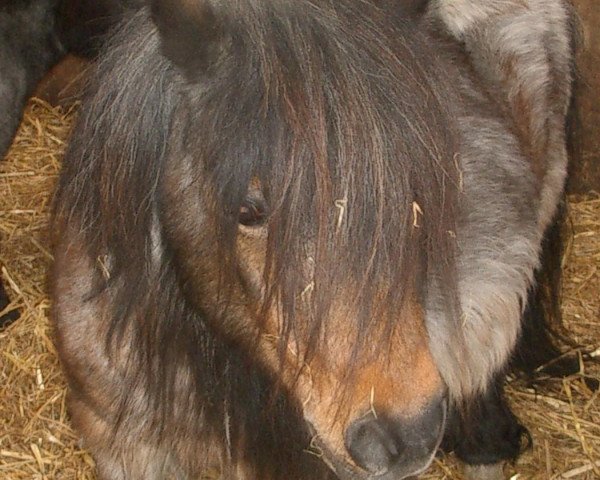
(389, 448)
(386, 444)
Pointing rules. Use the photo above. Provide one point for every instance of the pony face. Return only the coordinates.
(372, 396)
(317, 203)
(293, 204)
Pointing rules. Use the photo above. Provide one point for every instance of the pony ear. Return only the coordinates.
(191, 34)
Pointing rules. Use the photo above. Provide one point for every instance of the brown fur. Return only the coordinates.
(401, 227)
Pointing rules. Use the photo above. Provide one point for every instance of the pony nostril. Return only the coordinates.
(400, 446)
(372, 444)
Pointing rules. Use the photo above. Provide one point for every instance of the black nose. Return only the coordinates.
(373, 444)
(405, 446)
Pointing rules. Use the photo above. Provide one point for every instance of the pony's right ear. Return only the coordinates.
(191, 34)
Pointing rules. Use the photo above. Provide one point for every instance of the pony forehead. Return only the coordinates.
(340, 119)
(324, 87)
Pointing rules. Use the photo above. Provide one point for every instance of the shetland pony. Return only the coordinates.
(34, 36)
(295, 239)
(29, 46)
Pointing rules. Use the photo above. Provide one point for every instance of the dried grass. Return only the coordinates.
(36, 441)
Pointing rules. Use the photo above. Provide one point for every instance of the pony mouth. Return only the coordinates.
(346, 470)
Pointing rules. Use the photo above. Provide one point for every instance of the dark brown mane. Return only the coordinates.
(338, 125)
(337, 119)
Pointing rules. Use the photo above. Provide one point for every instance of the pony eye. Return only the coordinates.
(252, 213)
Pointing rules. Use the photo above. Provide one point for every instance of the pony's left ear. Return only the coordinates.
(191, 34)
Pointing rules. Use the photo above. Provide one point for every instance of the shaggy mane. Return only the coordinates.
(332, 106)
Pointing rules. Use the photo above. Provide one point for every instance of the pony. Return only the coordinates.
(296, 239)
(34, 36)
(29, 46)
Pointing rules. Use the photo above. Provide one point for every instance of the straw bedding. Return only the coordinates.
(36, 441)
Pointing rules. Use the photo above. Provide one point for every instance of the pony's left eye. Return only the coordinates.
(253, 213)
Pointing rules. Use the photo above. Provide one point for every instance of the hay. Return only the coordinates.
(36, 441)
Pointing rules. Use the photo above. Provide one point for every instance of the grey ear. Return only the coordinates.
(190, 32)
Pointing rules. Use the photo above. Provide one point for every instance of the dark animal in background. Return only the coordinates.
(34, 36)
(285, 226)
(84, 24)
(29, 46)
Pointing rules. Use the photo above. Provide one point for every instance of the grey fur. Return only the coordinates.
(522, 50)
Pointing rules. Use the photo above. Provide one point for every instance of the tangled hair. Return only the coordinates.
(381, 186)
(373, 181)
